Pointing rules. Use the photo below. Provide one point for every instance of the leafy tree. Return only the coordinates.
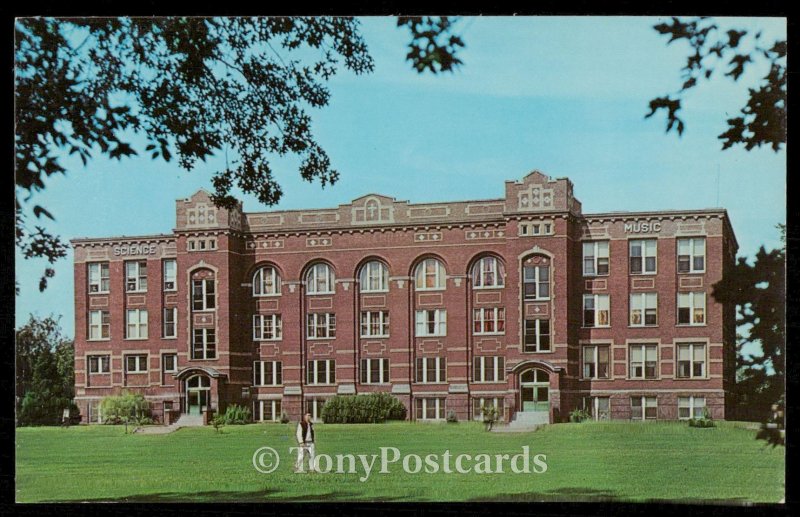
(192, 87)
(762, 121)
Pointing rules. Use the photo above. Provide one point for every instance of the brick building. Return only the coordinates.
(522, 302)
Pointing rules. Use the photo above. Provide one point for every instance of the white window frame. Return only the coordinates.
(644, 400)
(423, 322)
(439, 404)
(424, 365)
(98, 282)
(321, 367)
(164, 321)
(321, 325)
(644, 303)
(537, 281)
(374, 277)
(692, 297)
(644, 347)
(537, 327)
(592, 352)
(139, 324)
(490, 267)
(691, 403)
(103, 362)
(134, 276)
(260, 371)
(692, 347)
(97, 325)
(274, 409)
(204, 283)
(648, 249)
(692, 244)
(594, 409)
(421, 274)
(264, 322)
(494, 316)
(374, 324)
(205, 355)
(479, 402)
(594, 251)
(367, 366)
(261, 287)
(164, 363)
(480, 370)
(597, 307)
(170, 277)
(140, 360)
(320, 279)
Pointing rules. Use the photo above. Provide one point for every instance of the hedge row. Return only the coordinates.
(363, 409)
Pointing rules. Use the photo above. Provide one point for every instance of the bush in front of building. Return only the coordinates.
(578, 415)
(131, 408)
(704, 422)
(452, 418)
(370, 408)
(237, 415)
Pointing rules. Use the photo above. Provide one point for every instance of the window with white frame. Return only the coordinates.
(481, 403)
(691, 407)
(596, 361)
(99, 277)
(488, 272)
(204, 343)
(99, 325)
(320, 279)
(136, 363)
(267, 373)
(315, 406)
(375, 371)
(266, 282)
(430, 408)
(536, 282)
(267, 410)
(644, 309)
(536, 337)
(488, 368)
(321, 371)
(321, 325)
(136, 276)
(692, 308)
(599, 408)
(691, 361)
(644, 408)
(169, 363)
(692, 255)
(429, 275)
(374, 277)
(203, 298)
(170, 326)
(643, 255)
(375, 324)
(431, 369)
(136, 324)
(99, 363)
(596, 310)
(431, 322)
(266, 327)
(643, 361)
(489, 320)
(595, 258)
(170, 275)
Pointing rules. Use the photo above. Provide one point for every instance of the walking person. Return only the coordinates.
(305, 439)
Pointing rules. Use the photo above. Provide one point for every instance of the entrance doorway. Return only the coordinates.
(198, 389)
(535, 390)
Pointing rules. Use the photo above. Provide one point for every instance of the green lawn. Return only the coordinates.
(591, 461)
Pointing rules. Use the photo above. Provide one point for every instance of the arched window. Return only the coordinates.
(536, 278)
(198, 382)
(488, 272)
(266, 281)
(534, 375)
(319, 279)
(374, 277)
(430, 275)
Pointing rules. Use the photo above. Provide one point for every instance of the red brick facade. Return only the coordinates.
(521, 329)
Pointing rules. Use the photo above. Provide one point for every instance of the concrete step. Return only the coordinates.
(529, 418)
(186, 420)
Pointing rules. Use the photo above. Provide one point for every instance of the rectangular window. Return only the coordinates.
(99, 363)
(321, 325)
(204, 344)
(136, 363)
(315, 407)
(431, 369)
(267, 410)
(98, 277)
(374, 371)
(203, 295)
(537, 336)
(489, 320)
(691, 361)
(136, 324)
(643, 361)
(691, 407)
(266, 327)
(598, 407)
(643, 256)
(644, 310)
(596, 311)
(99, 325)
(170, 319)
(136, 276)
(596, 361)
(430, 408)
(375, 324)
(536, 282)
(169, 363)
(432, 322)
(267, 373)
(692, 308)
(692, 255)
(479, 403)
(595, 258)
(644, 408)
(321, 371)
(170, 275)
(488, 369)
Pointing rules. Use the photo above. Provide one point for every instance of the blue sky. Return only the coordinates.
(563, 95)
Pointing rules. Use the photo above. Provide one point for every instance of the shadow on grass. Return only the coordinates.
(590, 495)
(216, 496)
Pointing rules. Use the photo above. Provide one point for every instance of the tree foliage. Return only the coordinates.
(762, 121)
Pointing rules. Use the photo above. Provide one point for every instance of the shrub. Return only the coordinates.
(128, 407)
(284, 418)
(578, 415)
(451, 417)
(490, 416)
(363, 409)
(236, 414)
(218, 422)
